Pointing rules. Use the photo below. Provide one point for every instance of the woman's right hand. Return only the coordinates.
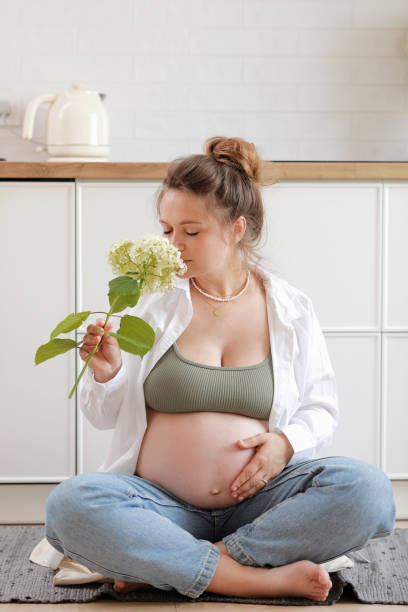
(107, 361)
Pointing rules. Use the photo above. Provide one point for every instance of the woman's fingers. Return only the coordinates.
(94, 332)
(250, 487)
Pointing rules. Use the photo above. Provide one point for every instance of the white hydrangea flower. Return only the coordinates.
(151, 259)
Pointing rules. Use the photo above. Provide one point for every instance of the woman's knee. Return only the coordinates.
(71, 497)
(369, 494)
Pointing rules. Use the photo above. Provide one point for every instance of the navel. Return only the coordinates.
(214, 491)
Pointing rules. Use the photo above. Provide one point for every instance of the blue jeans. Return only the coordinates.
(130, 529)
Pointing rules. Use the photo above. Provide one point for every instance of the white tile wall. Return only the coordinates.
(303, 79)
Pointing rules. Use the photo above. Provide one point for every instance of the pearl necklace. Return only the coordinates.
(216, 311)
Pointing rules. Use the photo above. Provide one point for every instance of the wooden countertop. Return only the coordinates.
(272, 171)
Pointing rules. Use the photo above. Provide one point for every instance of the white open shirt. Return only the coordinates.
(305, 406)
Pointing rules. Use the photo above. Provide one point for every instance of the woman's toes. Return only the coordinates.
(324, 577)
(119, 586)
(127, 587)
(324, 583)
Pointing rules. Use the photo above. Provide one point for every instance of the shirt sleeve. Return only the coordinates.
(312, 425)
(101, 402)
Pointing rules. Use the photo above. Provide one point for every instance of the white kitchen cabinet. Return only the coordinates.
(341, 242)
(37, 237)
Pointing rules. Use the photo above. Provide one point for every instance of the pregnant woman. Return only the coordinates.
(212, 480)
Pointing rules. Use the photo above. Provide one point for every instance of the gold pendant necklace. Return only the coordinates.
(216, 310)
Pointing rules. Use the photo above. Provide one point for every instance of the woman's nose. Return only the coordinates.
(176, 241)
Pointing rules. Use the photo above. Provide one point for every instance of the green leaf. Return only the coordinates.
(121, 302)
(124, 292)
(72, 321)
(53, 348)
(124, 285)
(134, 335)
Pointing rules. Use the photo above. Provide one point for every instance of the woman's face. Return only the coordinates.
(206, 246)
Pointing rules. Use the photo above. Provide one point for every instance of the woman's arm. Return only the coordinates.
(101, 402)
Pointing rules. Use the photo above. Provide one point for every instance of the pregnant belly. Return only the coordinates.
(195, 456)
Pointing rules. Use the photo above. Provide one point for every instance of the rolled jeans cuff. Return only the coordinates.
(205, 576)
(235, 550)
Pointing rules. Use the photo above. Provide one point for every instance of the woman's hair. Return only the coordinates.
(228, 176)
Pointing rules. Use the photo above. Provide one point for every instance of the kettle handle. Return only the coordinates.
(31, 109)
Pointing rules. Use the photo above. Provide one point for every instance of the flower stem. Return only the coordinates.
(103, 312)
(94, 350)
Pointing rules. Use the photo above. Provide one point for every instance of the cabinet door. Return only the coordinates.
(325, 238)
(37, 437)
(359, 392)
(107, 212)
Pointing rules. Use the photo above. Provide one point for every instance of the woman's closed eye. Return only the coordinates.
(188, 233)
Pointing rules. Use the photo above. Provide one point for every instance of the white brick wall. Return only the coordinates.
(303, 79)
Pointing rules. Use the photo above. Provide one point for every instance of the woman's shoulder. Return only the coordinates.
(284, 292)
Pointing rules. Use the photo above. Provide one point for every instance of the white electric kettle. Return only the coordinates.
(77, 125)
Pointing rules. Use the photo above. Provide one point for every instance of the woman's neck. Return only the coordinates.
(223, 285)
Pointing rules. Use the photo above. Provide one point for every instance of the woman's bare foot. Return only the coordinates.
(298, 579)
(301, 579)
(126, 587)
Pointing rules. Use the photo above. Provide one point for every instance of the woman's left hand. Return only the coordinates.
(272, 455)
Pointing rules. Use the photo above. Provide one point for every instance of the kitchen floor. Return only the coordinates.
(343, 605)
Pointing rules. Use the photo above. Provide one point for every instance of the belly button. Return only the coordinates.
(214, 491)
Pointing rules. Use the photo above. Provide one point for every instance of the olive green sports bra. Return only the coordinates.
(177, 384)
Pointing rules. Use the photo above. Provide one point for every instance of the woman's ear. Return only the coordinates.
(239, 229)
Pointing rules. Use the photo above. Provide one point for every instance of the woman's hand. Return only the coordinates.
(107, 361)
(273, 454)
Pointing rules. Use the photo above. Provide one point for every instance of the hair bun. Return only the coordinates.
(237, 153)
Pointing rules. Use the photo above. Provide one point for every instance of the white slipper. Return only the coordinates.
(70, 572)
